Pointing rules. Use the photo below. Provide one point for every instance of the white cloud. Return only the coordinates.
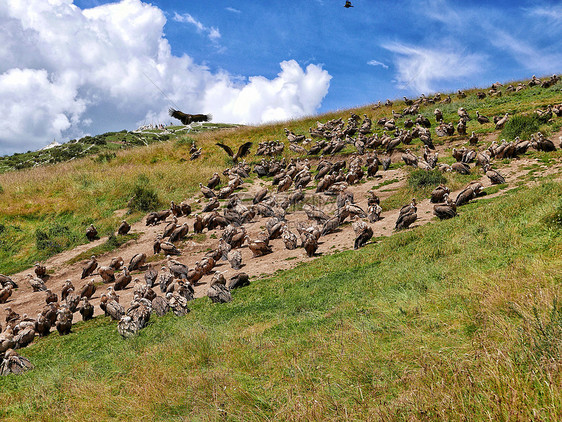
(377, 63)
(233, 10)
(418, 68)
(65, 72)
(212, 32)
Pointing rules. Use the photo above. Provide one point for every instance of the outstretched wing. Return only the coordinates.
(226, 148)
(201, 117)
(176, 114)
(244, 149)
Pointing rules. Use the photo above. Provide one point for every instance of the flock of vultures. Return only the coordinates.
(288, 185)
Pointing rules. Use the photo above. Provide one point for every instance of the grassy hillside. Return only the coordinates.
(454, 320)
(53, 204)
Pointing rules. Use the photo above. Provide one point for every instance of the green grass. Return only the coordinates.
(456, 320)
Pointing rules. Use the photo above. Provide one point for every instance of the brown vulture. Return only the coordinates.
(187, 119)
(242, 151)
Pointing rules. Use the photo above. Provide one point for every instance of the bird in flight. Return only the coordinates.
(347, 4)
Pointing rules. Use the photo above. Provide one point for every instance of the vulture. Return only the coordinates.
(446, 210)
(493, 175)
(14, 363)
(151, 275)
(438, 194)
(235, 259)
(187, 119)
(310, 244)
(238, 280)
(91, 233)
(123, 280)
(160, 306)
(290, 239)
(5, 294)
(64, 320)
(473, 140)
(89, 268)
(86, 309)
(260, 247)
(66, 288)
(137, 261)
(243, 150)
(501, 122)
(72, 300)
(214, 181)
(111, 307)
(116, 263)
(170, 227)
(40, 270)
(408, 214)
(36, 283)
(363, 233)
(88, 290)
(347, 4)
(179, 233)
(219, 293)
(124, 228)
(481, 119)
(178, 304)
(107, 274)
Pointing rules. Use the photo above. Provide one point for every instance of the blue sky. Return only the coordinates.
(89, 66)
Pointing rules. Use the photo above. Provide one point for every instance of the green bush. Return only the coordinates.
(522, 126)
(420, 179)
(1, 190)
(54, 238)
(144, 197)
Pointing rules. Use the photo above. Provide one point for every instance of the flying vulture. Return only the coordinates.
(242, 151)
(187, 119)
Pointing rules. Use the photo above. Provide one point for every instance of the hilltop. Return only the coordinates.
(462, 310)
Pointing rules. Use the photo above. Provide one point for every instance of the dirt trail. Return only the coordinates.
(25, 301)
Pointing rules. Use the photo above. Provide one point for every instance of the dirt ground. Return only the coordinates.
(25, 301)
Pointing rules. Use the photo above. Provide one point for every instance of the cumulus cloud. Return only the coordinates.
(66, 72)
(418, 68)
(377, 63)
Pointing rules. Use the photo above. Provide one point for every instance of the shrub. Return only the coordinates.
(144, 197)
(420, 179)
(522, 126)
(54, 238)
(1, 190)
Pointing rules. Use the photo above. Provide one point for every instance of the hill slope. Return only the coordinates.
(451, 320)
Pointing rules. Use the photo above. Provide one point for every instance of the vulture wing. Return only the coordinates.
(176, 114)
(244, 150)
(226, 148)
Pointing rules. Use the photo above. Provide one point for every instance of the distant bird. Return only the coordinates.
(243, 150)
(187, 119)
(347, 4)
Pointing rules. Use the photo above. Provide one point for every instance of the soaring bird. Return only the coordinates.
(187, 119)
(347, 4)
(243, 150)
